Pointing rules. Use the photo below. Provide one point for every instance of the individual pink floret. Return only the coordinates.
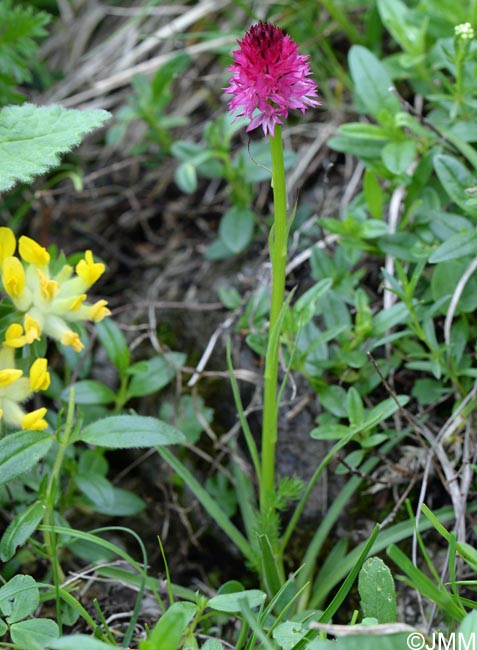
(269, 76)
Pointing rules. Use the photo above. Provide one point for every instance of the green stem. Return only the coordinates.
(51, 494)
(278, 257)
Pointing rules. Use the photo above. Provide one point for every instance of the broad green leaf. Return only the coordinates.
(19, 598)
(400, 22)
(108, 499)
(78, 642)
(455, 178)
(20, 451)
(186, 177)
(90, 391)
(114, 342)
(233, 602)
(397, 156)
(444, 281)
(354, 407)
(377, 591)
(362, 147)
(130, 431)
(32, 138)
(212, 644)
(456, 247)
(236, 228)
(288, 634)
(20, 529)
(152, 375)
(468, 627)
(373, 86)
(35, 633)
(169, 630)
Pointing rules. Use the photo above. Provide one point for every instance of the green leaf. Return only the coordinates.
(20, 451)
(354, 407)
(468, 627)
(233, 602)
(236, 228)
(371, 642)
(130, 431)
(169, 630)
(19, 598)
(186, 177)
(397, 156)
(35, 633)
(400, 22)
(372, 82)
(21, 26)
(89, 391)
(32, 138)
(78, 642)
(20, 529)
(373, 194)
(455, 178)
(270, 569)
(106, 498)
(113, 341)
(288, 634)
(457, 246)
(152, 375)
(444, 281)
(212, 644)
(377, 591)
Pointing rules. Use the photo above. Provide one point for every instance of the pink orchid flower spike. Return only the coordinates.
(269, 77)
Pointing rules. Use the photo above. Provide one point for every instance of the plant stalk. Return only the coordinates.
(278, 257)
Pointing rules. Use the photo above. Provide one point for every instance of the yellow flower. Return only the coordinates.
(14, 336)
(9, 376)
(98, 311)
(49, 301)
(89, 270)
(71, 338)
(34, 421)
(7, 243)
(32, 252)
(39, 375)
(16, 389)
(13, 276)
(49, 288)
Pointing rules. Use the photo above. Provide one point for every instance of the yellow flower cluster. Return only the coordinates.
(15, 389)
(48, 302)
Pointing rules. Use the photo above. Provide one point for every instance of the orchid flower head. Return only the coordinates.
(269, 78)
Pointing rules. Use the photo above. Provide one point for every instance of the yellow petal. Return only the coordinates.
(98, 311)
(32, 329)
(89, 270)
(77, 302)
(48, 288)
(7, 243)
(32, 252)
(14, 336)
(9, 376)
(71, 338)
(13, 276)
(39, 375)
(34, 421)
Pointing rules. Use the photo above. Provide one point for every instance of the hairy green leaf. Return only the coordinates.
(32, 138)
